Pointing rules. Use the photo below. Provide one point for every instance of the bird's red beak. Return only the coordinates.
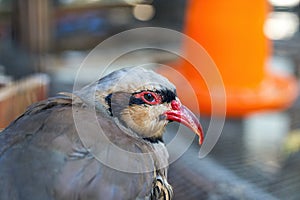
(182, 114)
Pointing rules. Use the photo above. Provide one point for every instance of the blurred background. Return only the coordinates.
(44, 42)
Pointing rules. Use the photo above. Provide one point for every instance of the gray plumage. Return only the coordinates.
(101, 142)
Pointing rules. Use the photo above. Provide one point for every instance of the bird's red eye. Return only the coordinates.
(149, 97)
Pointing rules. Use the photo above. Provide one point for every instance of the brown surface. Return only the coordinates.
(15, 98)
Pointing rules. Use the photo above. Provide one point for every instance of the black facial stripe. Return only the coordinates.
(167, 95)
(135, 101)
(108, 101)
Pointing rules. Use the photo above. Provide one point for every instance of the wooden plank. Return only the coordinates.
(16, 97)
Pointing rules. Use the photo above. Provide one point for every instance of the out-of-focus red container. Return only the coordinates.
(231, 31)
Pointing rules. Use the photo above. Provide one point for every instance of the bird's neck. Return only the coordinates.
(156, 138)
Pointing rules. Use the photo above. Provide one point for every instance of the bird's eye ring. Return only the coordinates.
(149, 97)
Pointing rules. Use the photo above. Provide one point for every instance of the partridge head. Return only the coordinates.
(141, 101)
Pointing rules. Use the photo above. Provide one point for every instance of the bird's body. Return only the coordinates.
(48, 153)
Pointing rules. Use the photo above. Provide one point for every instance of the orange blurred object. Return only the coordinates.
(232, 33)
